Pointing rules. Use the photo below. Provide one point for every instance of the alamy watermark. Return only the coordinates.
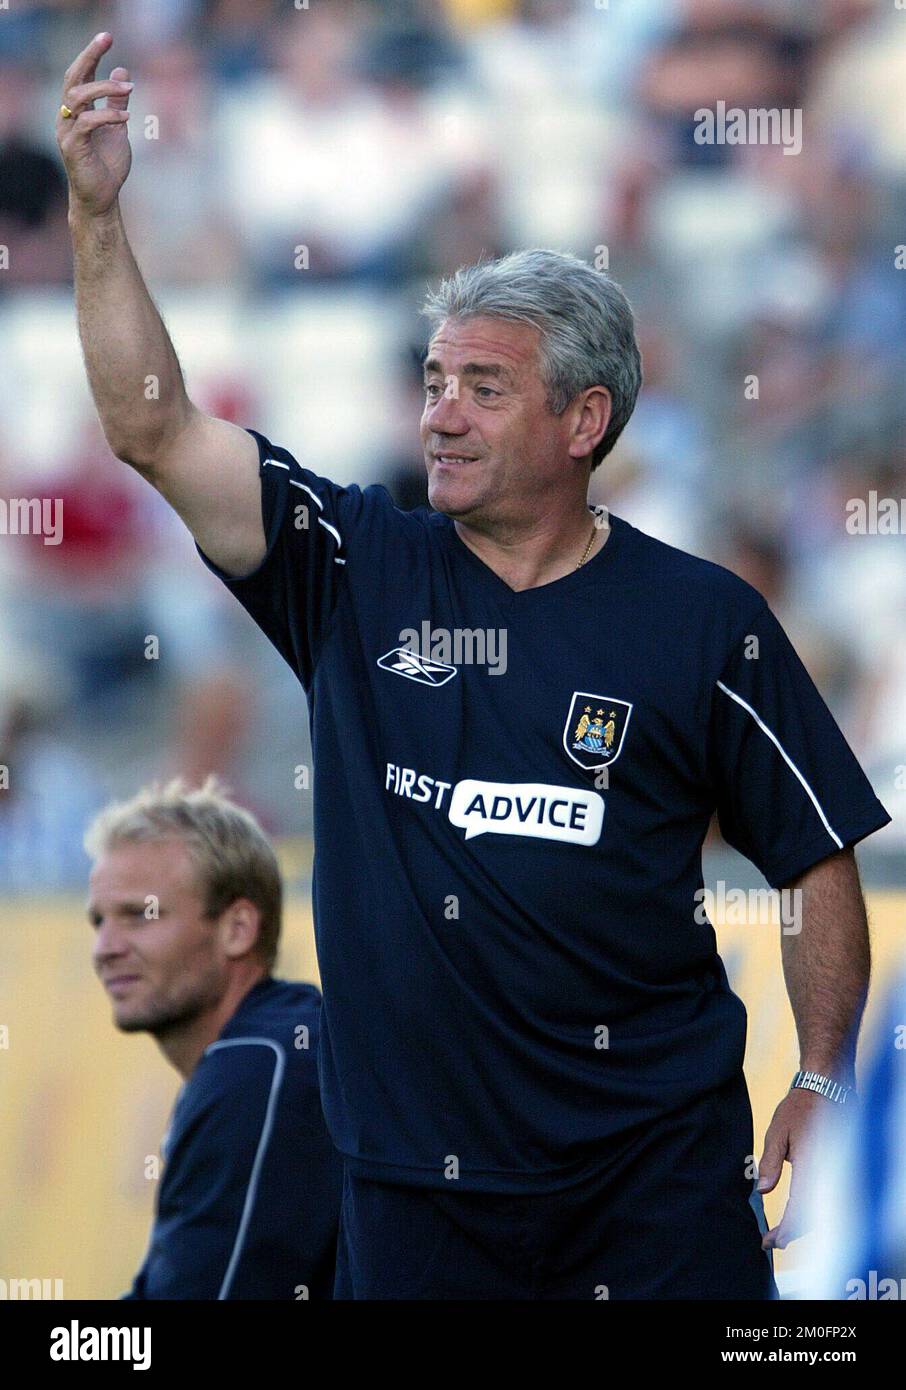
(32, 516)
(458, 646)
(20, 1290)
(741, 907)
(875, 1287)
(759, 125)
(79, 1342)
(876, 516)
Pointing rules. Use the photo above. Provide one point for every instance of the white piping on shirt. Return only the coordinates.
(334, 532)
(294, 482)
(318, 503)
(787, 759)
(263, 1141)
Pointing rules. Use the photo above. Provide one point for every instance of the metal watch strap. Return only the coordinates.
(822, 1086)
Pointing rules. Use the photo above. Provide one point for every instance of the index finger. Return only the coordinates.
(83, 68)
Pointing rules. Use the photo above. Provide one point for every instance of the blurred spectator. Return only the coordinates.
(344, 167)
(33, 198)
(859, 76)
(53, 788)
(732, 52)
(152, 24)
(81, 603)
(667, 440)
(25, 31)
(176, 210)
(235, 36)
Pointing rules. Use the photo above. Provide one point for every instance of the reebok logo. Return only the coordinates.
(404, 662)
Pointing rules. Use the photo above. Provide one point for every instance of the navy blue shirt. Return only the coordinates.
(248, 1205)
(507, 860)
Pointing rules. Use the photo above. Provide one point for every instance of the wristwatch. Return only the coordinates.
(823, 1086)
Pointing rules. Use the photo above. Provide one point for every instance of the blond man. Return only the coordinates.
(185, 903)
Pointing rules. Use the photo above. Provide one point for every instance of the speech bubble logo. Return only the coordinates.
(537, 810)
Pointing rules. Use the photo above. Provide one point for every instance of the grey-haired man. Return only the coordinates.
(531, 1058)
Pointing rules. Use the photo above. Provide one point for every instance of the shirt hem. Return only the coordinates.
(824, 846)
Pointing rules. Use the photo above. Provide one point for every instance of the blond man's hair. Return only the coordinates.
(232, 855)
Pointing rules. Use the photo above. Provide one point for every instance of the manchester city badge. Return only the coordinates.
(594, 730)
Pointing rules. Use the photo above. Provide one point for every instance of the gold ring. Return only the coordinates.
(65, 113)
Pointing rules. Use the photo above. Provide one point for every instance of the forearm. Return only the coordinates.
(133, 370)
(827, 965)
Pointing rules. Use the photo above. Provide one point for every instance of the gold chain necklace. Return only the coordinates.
(587, 552)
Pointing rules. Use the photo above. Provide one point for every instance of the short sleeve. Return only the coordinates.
(309, 524)
(789, 790)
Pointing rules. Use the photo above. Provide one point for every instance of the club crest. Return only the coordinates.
(594, 730)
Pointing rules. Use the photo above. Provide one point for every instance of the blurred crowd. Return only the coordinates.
(300, 174)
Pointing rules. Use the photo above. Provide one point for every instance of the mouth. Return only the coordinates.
(119, 984)
(453, 460)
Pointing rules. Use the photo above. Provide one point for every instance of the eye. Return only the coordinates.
(486, 392)
(430, 388)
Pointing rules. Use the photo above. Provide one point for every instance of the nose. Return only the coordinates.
(108, 945)
(446, 415)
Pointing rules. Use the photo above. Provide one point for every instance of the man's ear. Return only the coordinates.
(592, 410)
(239, 928)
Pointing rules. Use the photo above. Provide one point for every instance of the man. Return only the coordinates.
(185, 904)
(531, 1059)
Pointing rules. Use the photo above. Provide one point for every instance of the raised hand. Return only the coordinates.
(94, 142)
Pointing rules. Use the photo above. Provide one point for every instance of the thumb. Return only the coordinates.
(119, 103)
(771, 1165)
